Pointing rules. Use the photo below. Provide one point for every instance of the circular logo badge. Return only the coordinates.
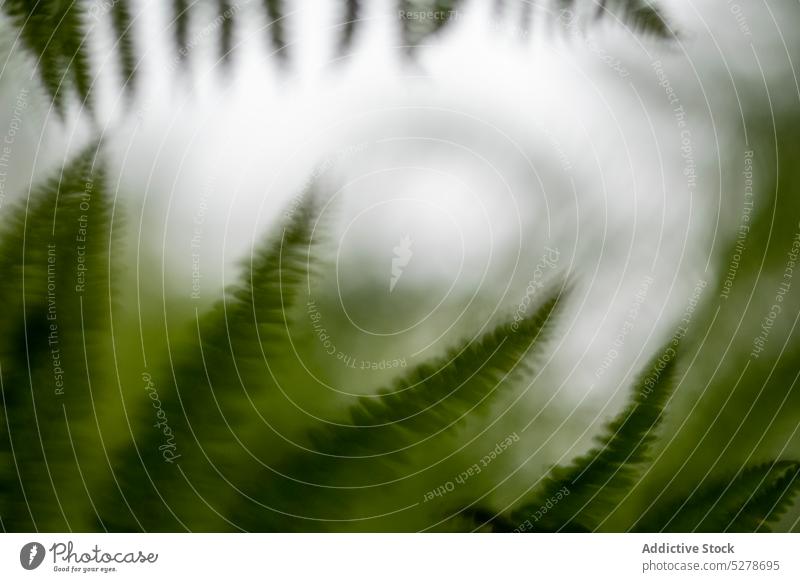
(31, 555)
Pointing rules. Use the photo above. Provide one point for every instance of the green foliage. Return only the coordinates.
(216, 381)
(210, 446)
(579, 497)
(225, 8)
(54, 31)
(597, 480)
(123, 32)
(181, 22)
(748, 502)
(385, 429)
(54, 331)
(437, 395)
(644, 17)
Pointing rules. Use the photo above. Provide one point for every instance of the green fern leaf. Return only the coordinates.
(226, 11)
(178, 474)
(54, 332)
(642, 17)
(438, 395)
(426, 403)
(72, 36)
(123, 33)
(749, 502)
(53, 32)
(597, 480)
(181, 19)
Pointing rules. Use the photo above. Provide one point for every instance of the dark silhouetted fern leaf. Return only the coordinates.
(54, 33)
(642, 17)
(597, 480)
(226, 11)
(181, 19)
(350, 20)
(275, 25)
(74, 48)
(123, 32)
(749, 502)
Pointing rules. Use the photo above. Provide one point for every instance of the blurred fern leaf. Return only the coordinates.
(210, 394)
(123, 32)
(54, 32)
(54, 349)
(749, 502)
(598, 479)
(437, 395)
(427, 402)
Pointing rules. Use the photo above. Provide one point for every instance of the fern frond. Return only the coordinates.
(181, 19)
(54, 33)
(225, 9)
(421, 19)
(211, 395)
(642, 17)
(749, 502)
(54, 253)
(597, 480)
(350, 20)
(436, 396)
(428, 402)
(275, 25)
(74, 47)
(123, 33)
